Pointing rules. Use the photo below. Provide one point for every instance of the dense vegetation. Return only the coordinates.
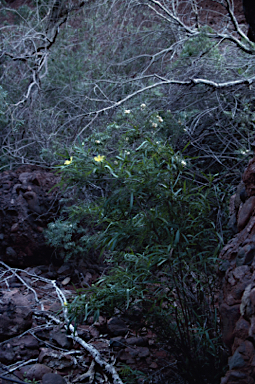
(139, 207)
(148, 114)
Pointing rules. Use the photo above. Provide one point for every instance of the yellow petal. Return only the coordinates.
(99, 158)
(67, 162)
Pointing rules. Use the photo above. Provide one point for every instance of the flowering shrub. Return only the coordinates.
(138, 205)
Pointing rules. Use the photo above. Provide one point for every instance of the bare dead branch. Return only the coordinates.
(63, 301)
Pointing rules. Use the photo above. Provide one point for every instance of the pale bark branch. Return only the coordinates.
(109, 368)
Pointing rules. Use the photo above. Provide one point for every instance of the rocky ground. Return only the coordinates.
(36, 340)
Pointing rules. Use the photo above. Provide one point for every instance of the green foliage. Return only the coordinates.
(34, 381)
(131, 376)
(199, 45)
(23, 13)
(139, 206)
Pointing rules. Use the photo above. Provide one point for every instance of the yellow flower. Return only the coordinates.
(67, 162)
(65, 304)
(99, 158)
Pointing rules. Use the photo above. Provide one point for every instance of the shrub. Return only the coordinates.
(138, 205)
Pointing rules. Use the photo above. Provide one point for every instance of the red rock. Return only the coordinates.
(15, 314)
(94, 332)
(100, 345)
(117, 327)
(160, 354)
(245, 213)
(236, 377)
(124, 355)
(140, 341)
(53, 378)
(241, 329)
(252, 297)
(60, 337)
(36, 372)
(143, 352)
(237, 294)
(249, 178)
(27, 208)
(27, 341)
(229, 317)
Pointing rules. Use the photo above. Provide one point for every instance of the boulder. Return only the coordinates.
(28, 202)
(237, 280)
(15, 314)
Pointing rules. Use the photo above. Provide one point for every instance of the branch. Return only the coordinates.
(31, 85)
(229, 8)
(62, 298)
(194, 81)
(41, 50)
(171, 16)
(92, 350)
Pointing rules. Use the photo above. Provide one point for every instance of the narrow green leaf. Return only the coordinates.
(142, 145)
(131, 201)
(111, 171)
(128, 298)
(186, 146)
(86, 312)
(177, 237)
